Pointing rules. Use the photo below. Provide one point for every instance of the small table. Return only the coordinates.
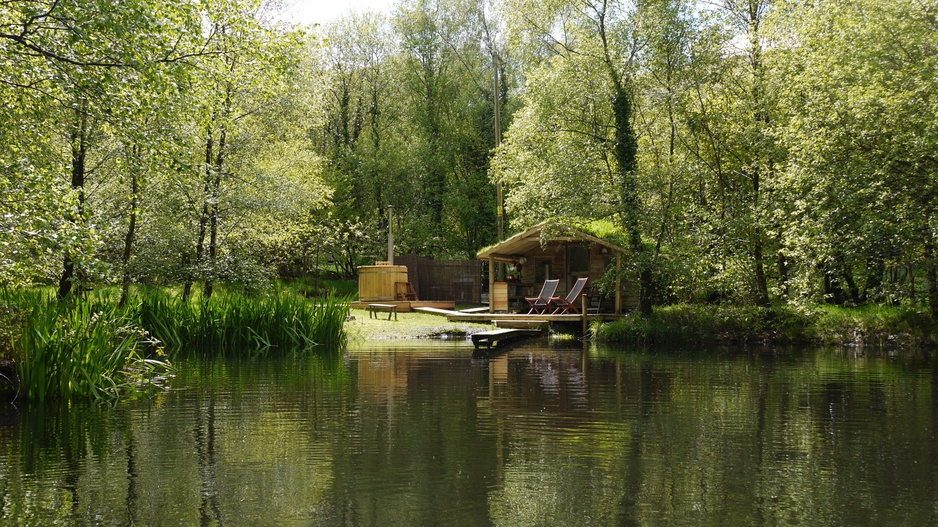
(374, 308)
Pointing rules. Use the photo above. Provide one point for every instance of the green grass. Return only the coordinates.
(874, 325)
(829, 325)
(411, 325)
(313, 287)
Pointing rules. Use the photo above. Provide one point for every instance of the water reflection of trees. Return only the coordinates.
(530, 437)
(731, 440)
(209, 456)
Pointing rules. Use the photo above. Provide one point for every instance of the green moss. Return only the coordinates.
(606, 230)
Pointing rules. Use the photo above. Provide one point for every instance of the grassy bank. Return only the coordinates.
(827, 325)
(413, 325)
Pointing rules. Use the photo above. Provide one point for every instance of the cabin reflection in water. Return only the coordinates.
(530, 381)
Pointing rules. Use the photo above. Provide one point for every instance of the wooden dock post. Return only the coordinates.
(584, 305)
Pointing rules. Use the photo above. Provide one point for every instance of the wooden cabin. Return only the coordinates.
(555, 251)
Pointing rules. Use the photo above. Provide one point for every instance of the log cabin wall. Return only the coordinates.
(557, 254)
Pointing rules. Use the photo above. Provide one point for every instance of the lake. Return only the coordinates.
(424, 433)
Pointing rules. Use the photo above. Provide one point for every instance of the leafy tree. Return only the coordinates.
(243, 85)
(74, 72)
(408, 122)
(729, 114)
(676, 45)
(599, 41)
(862, 135)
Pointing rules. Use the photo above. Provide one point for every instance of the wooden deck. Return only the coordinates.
(511, 318)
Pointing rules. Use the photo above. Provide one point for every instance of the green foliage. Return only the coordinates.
(84, 348)
(861, 181)
(318, 286)
(874, 325)
(106, 67)
(556, 159)
(777, 160)
(407, 120)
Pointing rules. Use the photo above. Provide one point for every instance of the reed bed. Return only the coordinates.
(231, 323)
(89, 348)
(82, 349)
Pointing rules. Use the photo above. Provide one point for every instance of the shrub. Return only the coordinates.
(782, 324)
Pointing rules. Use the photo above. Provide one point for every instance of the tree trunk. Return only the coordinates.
(762, 121)
(203, 217)
(931, 277)
(213, 211)
(875, 270)
(78, 137)
(762, 285)
(852, 289)
(131, 230)
(626, 150)
(782, 264)
(131, 227)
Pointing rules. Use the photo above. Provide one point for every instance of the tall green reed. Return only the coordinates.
(82, 348)
(235, 323)
(90, 348)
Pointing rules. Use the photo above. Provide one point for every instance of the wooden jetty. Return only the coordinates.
(517, 320)
(491, 338)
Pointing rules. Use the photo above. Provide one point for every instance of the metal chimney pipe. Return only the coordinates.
(390, 234)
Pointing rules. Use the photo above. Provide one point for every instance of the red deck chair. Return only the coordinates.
(541, 302)
(567, 304)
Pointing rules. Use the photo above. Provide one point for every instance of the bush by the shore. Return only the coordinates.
(85, 348)
(826, 325)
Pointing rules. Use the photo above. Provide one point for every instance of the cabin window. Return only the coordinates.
(578, 259)
(543, 270)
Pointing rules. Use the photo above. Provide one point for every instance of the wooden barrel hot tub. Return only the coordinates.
(376, 282)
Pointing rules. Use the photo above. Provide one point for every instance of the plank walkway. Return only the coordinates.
(521, 324)
(516, 321)
(485, 316)
(491, 338)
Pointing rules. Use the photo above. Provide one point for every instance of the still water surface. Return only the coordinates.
(425, 434)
